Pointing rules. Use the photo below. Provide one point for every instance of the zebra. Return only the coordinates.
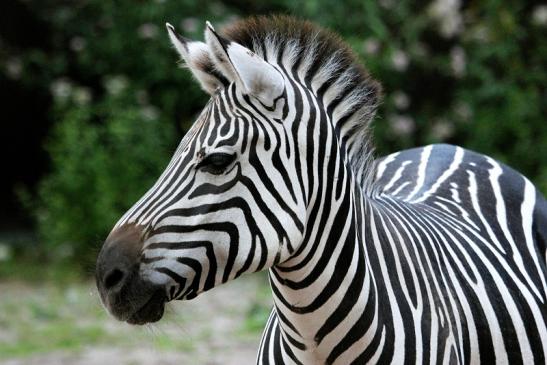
(429, 255)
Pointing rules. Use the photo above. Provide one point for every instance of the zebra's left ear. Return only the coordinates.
(197, 59)
(250, 72)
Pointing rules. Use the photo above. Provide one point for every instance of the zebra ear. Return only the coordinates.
(197, 59)
(253, 74)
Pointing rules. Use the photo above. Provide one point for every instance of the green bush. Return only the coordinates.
(470, 74)
(104, 155)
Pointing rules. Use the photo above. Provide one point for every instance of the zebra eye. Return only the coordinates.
(216, 163)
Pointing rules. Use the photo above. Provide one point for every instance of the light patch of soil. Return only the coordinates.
(211, 329)
(242, 354)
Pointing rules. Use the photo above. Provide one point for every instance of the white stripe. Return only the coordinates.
(396, 176)
(424, 158)
(501, 215)
(527, 211)
(458, 157)
(383, 165)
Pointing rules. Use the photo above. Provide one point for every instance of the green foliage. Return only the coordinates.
(472, 75)
(104, 155)
(32, 269)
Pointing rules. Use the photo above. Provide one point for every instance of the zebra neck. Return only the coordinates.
(350, 107)
(330, 293)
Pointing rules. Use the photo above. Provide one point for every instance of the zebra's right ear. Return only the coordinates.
(254, 75)
(196, 56)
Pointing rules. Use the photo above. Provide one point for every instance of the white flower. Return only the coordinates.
(5, 252)
(148, 31)
(189, 25)
(115, 84)
(447, 15)
(217, 9)
(371, 46)
(77, 44)
(61, 89)
(399, 59)
(387, 4)
(442, 129)
(14, 67)
(402, 125)
(480, 33)
(463, 111)
(539, 15)
(82, 95)
(150, 113)
(401, 100)
(457, 61)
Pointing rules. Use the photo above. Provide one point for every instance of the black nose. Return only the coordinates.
(118, 260)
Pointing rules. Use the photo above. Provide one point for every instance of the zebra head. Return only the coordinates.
(229, 202)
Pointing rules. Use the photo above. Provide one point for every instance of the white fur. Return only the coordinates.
(254, 75)
(195, 54)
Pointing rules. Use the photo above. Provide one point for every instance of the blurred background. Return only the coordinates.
(93, 105)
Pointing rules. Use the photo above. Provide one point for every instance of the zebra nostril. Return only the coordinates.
(113, 278)
(118, 261)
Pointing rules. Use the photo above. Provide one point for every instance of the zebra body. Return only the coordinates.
(430, 255)
(465, 285)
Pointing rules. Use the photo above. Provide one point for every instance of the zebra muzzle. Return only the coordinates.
(123, 291)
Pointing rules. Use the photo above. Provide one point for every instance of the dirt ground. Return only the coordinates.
(211, 329)
(241, 354)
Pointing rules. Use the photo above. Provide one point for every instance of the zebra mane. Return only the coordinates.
(327, 66)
